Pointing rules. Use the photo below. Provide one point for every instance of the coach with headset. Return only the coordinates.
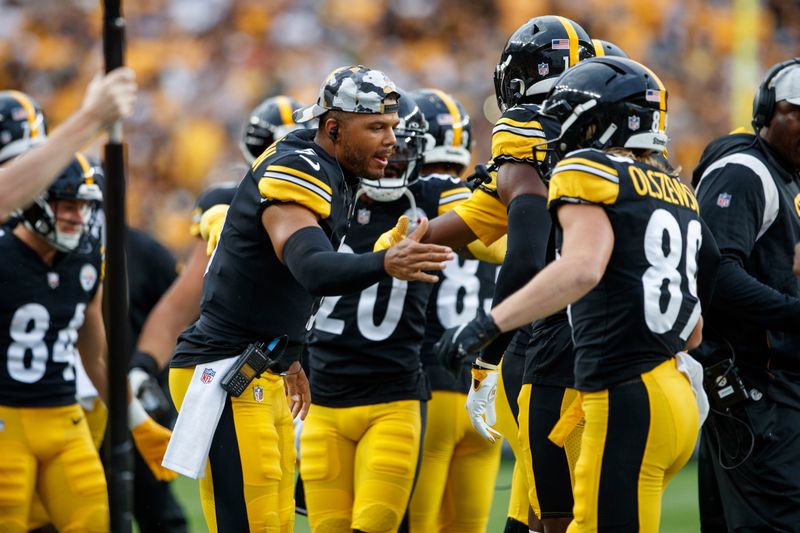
(748, 186)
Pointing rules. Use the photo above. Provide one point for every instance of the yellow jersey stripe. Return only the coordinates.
(260, 159)
(574, 185)
(594, 164)
(302, 175)
(531, 124)
(452, 108)
(30, 110)
(573, 40)
(457, 190)
(285, 190)
(455, 198)
(285, 109)
(506, 144)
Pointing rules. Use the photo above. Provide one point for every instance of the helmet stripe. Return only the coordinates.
(85, 167)
(285, 109)
(573, 40)
(599, 49)
(30, 109)
(662, 98)
(451, 106)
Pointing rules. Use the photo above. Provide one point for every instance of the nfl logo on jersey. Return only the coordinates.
(208, 375)
(724, 200)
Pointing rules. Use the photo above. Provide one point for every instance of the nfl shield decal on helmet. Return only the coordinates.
(208, 375)
(724, 200)
(88, 277)
(634, 122)
(544, 69)
(258, 393)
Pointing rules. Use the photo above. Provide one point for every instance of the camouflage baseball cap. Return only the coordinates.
(353, 89)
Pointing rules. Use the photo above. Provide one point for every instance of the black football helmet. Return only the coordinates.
(22, 124)
(604, 49)
(535, 55)
(608, 102)
(268, 122)
(449, 137)
(404, 163)
(76, 182)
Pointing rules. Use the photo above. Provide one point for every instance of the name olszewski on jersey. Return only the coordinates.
(42, 309)
(364, 348)
(657, 227)
(248, 294)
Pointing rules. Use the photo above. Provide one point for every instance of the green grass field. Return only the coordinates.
(678, 515)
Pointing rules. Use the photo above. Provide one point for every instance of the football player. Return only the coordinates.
(534, 56)
(275, 251)
(52, 307)
(108, 99)
(635, 263)
(361, 441)
(445, 495)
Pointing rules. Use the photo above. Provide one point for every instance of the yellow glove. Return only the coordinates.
(211, 225)
(494, 253)
(151, 440)
(393, 236)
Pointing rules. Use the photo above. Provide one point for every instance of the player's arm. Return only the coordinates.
(92, 346)
(522, 190)
(108, 99)
(303, 247)
(173, 312)
(796, 263)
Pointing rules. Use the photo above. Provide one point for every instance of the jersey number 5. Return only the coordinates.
(663, 248)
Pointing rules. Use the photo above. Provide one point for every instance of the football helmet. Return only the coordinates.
(608, 102)
(22, 124)
(268, 122)
(449, 136)
(604, 48)
(76, 182)
(404, 163)
(535, 55)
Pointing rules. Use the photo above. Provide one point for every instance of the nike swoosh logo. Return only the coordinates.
(313, 164)
(76, 421)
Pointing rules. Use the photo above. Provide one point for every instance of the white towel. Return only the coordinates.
(694, 371)
(202, 407)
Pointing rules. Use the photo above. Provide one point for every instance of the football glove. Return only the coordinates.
(481, 400)
(460, 342)
(393, 236)
(151, 440)
(147, 390)
(211, 225)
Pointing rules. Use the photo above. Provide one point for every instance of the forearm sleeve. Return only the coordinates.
(528, 231)
(310, 257)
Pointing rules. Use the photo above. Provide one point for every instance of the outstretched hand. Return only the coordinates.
(409, 259)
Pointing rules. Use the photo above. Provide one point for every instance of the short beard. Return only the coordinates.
(357, 163)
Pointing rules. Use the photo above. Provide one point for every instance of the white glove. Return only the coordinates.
(136, 378)
(481, 402)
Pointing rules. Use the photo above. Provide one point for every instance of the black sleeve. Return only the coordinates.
(732, 204)
(708, 268)
(310, 257)
(528, 231)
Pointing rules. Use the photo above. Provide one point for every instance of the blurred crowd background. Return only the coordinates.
(204, 64)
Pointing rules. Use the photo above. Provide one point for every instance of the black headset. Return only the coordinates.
(764, 101)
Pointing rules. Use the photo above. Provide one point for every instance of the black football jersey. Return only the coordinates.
(364, 348)
(646, 305)
(217, 194)
(41, 311)
(465, 285)
(248, 294)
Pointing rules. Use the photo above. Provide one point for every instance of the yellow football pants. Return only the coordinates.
(507, 392)
(643, 432)
(249, 478)
(97, 418)
(49, 451)
(456, 481)
(358, 465)
(549, 469)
